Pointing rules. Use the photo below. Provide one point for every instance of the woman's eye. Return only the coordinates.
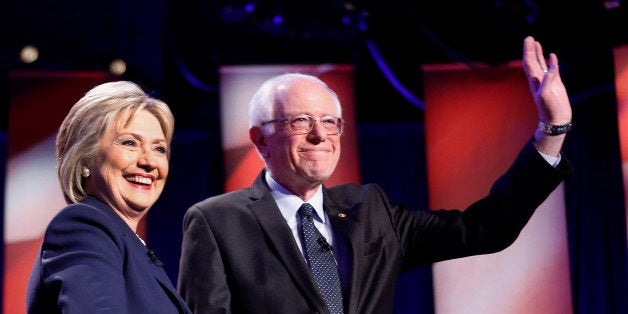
(161, 149)
(131, 143)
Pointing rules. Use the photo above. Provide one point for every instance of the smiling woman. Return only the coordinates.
(112, 151)
(130, 170)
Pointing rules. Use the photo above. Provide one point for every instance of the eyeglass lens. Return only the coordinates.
(305, 123)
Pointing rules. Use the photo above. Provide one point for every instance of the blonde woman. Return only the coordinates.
(113, 151)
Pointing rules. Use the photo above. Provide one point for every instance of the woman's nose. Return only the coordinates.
(147, 158)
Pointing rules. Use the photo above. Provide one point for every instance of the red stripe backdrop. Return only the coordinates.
(476, 122)
(38, 103)
(621, 88)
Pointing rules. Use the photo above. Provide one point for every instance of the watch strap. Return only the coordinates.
(554, 129)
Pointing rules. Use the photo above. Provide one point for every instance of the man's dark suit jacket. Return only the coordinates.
(92, 262)
(239, 255)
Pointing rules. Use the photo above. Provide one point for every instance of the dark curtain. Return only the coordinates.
(393, 155)
(196, 172)
(596, 212)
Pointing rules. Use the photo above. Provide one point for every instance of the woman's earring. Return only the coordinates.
(85, 172)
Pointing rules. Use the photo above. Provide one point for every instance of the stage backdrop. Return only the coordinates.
(38, 103)
(621, 88)
(237, 86)
(476, 122)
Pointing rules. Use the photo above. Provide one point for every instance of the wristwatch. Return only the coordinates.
(553, 129)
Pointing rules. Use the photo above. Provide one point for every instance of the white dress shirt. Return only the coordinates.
(289, 204)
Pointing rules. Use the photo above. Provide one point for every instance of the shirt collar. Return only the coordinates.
(289, 203)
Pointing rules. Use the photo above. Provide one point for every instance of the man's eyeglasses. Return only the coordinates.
(303, 124)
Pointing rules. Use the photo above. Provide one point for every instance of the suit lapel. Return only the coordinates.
(166, 285)
(136, 248)
(281, 241)
(344, 223)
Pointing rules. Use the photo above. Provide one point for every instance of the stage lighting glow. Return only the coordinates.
(117, 67)
(29, 54)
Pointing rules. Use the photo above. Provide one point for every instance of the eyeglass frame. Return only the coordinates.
(311, 119)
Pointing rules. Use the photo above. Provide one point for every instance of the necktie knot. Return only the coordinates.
(306, 210)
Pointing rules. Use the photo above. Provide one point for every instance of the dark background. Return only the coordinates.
(174, 49)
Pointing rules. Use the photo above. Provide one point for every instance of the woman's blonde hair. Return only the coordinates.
(80, 134)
